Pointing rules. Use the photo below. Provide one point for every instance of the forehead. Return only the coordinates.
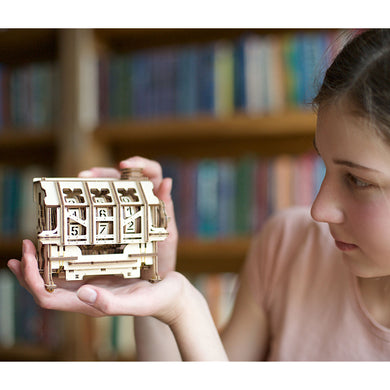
(344, 135)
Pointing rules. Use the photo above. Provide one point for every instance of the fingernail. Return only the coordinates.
(24, 247)
(133, 162)
(87, 294)
(86, 174)
(170, 184)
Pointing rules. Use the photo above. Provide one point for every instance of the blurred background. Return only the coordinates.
(225, 111)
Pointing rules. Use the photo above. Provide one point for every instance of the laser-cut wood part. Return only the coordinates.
(98, 226)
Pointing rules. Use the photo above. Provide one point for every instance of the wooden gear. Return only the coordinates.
(90, 227)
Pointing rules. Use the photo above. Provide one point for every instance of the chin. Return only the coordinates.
(362, 269)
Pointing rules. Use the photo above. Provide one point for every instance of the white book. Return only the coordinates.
(254, 66)
(126, 340)
(7, 308)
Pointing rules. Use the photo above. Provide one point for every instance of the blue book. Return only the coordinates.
(28, 317)
(239, 75)
(11, 201)
(312, 60)
(186, 81)
(141, 84)
(126, 87)
(226, 197)
(164, 75)
(299, 64)
(205, 79)
(114, 87)
(207, 198)
(319, 174)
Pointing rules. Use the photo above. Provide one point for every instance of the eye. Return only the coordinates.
(358, 183)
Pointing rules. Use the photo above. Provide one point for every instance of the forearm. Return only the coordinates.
(195, 332)
(154, 340)
(189, 334)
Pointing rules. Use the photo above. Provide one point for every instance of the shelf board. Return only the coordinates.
(27, 147)
(220, 255)
(205, 136)
(125, 39)
(21, 138)
(27, 352)
(234, 127)
(20, 45)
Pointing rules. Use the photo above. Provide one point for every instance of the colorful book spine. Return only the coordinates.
(255, 74)
(17, 212)
(29, 96)
(219, 198)
(207, 198)
(22, 320)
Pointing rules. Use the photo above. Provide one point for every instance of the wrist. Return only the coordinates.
(186, 300)
(193, 327)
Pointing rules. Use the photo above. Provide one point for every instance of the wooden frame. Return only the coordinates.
(91, 227)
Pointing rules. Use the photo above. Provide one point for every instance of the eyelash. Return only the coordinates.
(357, 183)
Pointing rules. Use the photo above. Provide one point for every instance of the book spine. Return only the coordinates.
(223, 79)
(207, 198)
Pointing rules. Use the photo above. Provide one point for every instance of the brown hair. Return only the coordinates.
(360, 73)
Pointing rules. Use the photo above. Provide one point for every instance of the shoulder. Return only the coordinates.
(293, 227)
(290, 242)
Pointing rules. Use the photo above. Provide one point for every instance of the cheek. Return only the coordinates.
(370, 224)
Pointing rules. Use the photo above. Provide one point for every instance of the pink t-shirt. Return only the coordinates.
(310, 297)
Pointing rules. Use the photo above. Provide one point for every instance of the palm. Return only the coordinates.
(64, 297)
(117, 295)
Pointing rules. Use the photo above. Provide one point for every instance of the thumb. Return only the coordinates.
(131, 302)
(98, 298)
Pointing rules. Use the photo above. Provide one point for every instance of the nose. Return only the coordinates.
(327, 206)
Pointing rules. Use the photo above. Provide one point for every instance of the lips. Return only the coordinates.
(344, 246)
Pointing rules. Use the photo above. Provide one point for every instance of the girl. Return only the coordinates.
(314, 287)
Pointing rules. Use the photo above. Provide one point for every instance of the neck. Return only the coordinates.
(376, 296)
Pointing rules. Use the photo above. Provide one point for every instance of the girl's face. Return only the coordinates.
(354, 198)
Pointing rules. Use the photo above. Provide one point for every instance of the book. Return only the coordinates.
(7, 308)
(10, 201)
(245, 175)
(205, 79)
(186, 82)
(223, 78)
(207, 198)
(226, 198)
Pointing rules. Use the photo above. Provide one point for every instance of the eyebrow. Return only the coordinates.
(346, 163)
(351, 164)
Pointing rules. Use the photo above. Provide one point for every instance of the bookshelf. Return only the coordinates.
(287, 132)
(78, 138)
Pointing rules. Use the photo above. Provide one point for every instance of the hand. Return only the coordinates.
(114, 295)
(167, 249)
(104, 295)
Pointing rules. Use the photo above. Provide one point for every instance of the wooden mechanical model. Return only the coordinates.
(90, 227)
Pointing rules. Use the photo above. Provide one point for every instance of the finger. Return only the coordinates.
(15, 267)
(167, 249)
(150, 168)
(30, 273)
(100, 172)
(164, 193)
(108, 303)
(164, 190)
(139, 299)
